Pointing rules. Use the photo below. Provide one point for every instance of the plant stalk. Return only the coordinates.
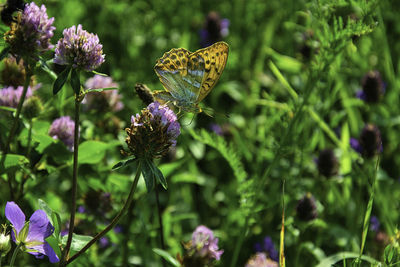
(160, 222)
(114, 221)
(14, 255)
(74, 185)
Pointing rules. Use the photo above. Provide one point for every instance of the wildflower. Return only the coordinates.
(373, 87)
(370, 143)
(104, 242)
(13, 73)
(327, 163)
(202, 249)
(31, 33)
(5, 244)
(268, 247)
(306, 208)
(10, 96)
(153, 132)
(260, 260)
(63, 129)
(106, 100)
(31, 235)
(214, 29)
(374, 224)
(80, 49)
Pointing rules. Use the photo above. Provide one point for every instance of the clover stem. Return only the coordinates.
(160, 222)
(74, 184)
(14, 255)
(114, 221)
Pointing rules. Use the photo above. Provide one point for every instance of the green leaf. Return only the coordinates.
(57, 224)
(75, 81)
(148, 175)
(4, 52)
(92, 152)
(124, 163)
(61, 79)
(78, 241)
(166, 256)
(101, 89)
(99, 73)
(332, 260)
(43, 206)
(14, 160)
(158, 175)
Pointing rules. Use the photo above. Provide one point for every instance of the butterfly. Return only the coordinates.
(189, 77)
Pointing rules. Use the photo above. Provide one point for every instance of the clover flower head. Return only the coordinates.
(327, 163)
(105, 100)
(10, 96)
(63, 129)
(80, 49)
(13, 73)
(260, 259)
(31, 234)
(153, 131)
(31, 33)
(214, 30)
(205, 244)
(306, 208)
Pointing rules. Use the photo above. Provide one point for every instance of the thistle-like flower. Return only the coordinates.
(31, 33)
(153, 132)
(373, 87)
(63, 129)
(80, 49)
(327, 163)
(306, 208)
(10, 96)
(202, 250)
(260, 259)
(370, 143)
(105, 100)
(31, 234)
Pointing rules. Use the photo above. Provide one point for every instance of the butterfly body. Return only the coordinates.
(189, 77)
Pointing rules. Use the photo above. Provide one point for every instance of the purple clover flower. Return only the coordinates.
(153, 131)
(215, 29)
(106, 99)
(32, 32)
(80, 49)
(31, 234)
(10, 96)
(205, 244)
(260, 260)
(63, 129)
(268, 247)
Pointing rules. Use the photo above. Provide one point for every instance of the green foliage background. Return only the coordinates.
(227, 183)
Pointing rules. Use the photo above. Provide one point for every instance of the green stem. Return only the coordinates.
(115, 220)
(160, 222)
(14, 127)
(1, 258)
(14, 255)
(74, 185)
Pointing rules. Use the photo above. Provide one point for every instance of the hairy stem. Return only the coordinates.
(14, 255)
(74, 186)
(114, 221)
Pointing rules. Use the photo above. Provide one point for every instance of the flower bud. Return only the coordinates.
(32, 107)
(327, 163)
(307, 208)
(5, 244)
(372, 87)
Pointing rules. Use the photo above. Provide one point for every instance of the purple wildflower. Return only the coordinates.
(104, 242)
(153, 132)
(374, 224)
(31, 234)
(205, 244)
(355, 145)
(260, 260)
(80, 49)
(63, 129)
(31, 33)
(10, 96)
(81, 209)
(214, 29)
(268, 247)
(118, 229)
(109, 99)
(216, 128)
(327, 163)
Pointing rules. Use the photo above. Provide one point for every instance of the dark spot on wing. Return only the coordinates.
(173, 57)
(208, 62)
(178, 63)
(172, 67)
(166, 61)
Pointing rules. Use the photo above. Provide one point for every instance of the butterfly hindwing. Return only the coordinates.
(189, 77)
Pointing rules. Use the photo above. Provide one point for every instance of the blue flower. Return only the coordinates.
(31, 234)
